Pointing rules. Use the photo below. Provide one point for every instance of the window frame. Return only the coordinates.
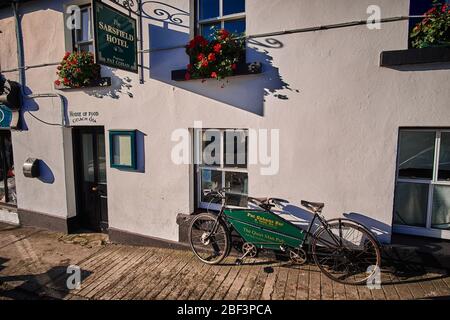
(221, 167)
(427, 231)
(220, 19)
(75, 43)
(128, 133)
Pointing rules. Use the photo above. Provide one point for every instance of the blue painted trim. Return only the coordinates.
(132, 135)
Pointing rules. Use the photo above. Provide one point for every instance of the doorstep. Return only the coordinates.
(419, 251)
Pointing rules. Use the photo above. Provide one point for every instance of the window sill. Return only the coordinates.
(102, 82)
(242, 69)
(414, 56)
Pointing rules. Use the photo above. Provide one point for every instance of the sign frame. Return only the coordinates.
(95, 30)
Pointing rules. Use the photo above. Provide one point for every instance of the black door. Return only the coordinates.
(90, 174)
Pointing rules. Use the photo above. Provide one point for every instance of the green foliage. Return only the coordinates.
(434, 29)
(77, 69)
(217, 58)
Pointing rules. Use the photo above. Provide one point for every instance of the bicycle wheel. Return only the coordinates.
(210, 247)
(346, 252)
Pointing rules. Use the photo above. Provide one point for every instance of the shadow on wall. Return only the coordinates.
(301, 217)
(45, 173)
(380, 229)
(170, 28)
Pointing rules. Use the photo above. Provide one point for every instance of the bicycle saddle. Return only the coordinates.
(314, 206)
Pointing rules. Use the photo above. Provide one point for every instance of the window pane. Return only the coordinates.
(101, 158)
(211, 147)
(440, 218)
(88, 157)
(233, 6)
(122, 150)
(84, 34)
(238, 182)
(235, 26)
(411, 202)
(416, 154)
(88, 47)
(207, 30)
(236, 144)
(444, 157)
(209, 9)
(212, 180)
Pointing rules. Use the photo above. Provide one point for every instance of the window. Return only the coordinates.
(7, 176)
(222, 163)
(82, 38)
(220, 14)
(422, 196)
(418, 8)
(122, 146)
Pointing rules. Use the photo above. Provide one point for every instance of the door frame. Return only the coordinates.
(426, 231)
(77, 132)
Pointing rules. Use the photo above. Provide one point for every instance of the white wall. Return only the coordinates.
(338, 112)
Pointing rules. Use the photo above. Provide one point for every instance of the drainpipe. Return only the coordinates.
(21, 67)
(19, 39)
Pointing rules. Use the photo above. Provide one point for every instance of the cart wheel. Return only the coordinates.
(210, 246)
(346, 252)
(249, 250)
(298, 256)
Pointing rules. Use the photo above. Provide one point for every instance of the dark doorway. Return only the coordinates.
(90, 177)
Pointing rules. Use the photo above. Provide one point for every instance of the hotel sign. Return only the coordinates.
(115, 38)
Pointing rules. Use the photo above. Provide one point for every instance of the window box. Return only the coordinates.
(242, 69)
(102, 82)
(414, 56)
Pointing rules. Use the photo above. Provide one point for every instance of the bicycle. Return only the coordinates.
(344, 250)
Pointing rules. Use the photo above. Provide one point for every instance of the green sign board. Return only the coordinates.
(6, 116)
(115, 38)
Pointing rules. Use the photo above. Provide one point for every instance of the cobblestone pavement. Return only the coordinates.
(33, 265)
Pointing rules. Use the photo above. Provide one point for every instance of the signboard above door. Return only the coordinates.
(115, 37)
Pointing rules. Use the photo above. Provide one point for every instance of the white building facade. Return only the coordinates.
(347, 121)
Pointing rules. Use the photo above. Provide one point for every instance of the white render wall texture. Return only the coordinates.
(338, 111)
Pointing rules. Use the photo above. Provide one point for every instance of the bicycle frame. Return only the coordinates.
(308, 232)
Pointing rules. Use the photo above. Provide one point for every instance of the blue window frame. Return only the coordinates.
(122, 149)
(217, 14)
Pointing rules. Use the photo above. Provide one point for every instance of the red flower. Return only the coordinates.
(204, 63)
(223, 34)
(189, 67)
(211, 57)
(57, 82)
(213, 75)
(66, 81)
(200, 57)
(233, 66)
(432, 10)
(217, 48)
(187, 76)
(66, 55)
(78, 70)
